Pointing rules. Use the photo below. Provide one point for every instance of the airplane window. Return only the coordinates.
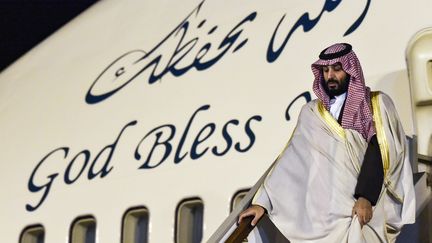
(33, 234)
(238, 196)
(83, 230)
(135, 225)
(189, 221)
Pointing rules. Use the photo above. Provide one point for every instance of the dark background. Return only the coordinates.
(23, 24)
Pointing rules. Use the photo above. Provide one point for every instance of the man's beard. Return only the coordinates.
(341, 87)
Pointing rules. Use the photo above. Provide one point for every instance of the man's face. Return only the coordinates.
(335, 79)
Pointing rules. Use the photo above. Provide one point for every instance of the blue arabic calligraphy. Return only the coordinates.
(308, 24)
(133, 63)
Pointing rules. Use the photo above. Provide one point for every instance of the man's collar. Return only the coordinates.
(340, 97)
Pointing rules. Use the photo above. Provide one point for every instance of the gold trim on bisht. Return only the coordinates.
(381, 137)
(329, 119)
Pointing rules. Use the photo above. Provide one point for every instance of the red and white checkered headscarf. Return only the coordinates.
(357, 114)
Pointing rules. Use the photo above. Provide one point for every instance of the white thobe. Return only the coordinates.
(336, 105)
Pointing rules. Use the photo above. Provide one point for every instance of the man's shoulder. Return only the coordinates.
(308, 108)
(310, 105)
(381, 94)
(385, 98)
(385, 103)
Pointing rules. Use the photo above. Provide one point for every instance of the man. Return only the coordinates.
(345, 174)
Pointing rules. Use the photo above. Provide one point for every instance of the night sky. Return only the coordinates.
(24, 24)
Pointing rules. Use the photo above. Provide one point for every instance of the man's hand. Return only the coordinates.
(254, 210)
(363, 209)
